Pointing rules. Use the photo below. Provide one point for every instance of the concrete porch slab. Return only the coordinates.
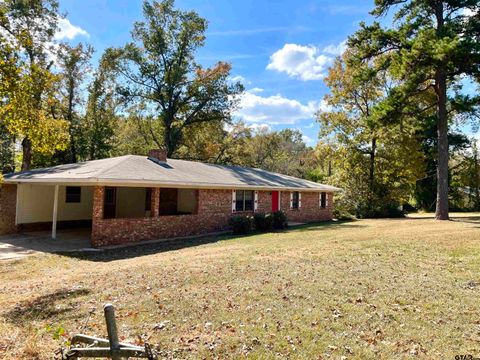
(17, 246)
(295, 223)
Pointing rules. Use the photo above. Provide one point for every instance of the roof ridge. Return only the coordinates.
(252, 168)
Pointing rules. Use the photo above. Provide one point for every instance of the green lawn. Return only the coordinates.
(356, 290)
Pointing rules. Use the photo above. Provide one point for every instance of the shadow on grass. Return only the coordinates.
(327, 225)
(43, 307)
(467, 219)
(137, 250)
(470, 219)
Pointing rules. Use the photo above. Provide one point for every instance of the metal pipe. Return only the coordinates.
(112, 331)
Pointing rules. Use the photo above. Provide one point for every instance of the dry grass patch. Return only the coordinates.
(363, 289)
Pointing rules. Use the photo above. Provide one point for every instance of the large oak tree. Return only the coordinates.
(159, 74)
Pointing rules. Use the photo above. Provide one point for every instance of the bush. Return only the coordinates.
(387, 210)
(241, 225)
(341, 214)
(263, 222)
(280, 220)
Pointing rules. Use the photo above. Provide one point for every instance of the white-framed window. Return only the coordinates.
(244, 200)
(323, 200)
(295, 200)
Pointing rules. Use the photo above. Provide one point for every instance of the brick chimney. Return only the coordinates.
(158, 155)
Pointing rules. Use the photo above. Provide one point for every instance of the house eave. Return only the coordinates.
(154, 183)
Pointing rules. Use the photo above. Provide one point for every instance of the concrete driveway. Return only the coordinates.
(17, 246)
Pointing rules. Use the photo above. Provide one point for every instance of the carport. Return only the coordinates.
(15, 246)
(58, 208)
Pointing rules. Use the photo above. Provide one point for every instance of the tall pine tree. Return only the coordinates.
(432, 44)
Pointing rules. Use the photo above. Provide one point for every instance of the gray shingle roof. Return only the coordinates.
(133, 170)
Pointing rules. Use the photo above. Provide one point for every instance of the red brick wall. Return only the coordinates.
(8, 207)
(264, 202)
(214, 211)
(310, 207)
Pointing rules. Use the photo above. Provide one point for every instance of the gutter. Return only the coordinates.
(153, 183)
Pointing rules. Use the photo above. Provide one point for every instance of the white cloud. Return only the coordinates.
(305, 62)
(255, 90)
(66, 30)
(241, 79)
(302, 62)
(336, 49)
(307, 139)
(274, 109)
(260, 127)
(323, 106)
(468, 12)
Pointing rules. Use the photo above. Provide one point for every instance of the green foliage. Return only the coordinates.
(7, 151)
(280, 220)
(424, 196)
(376, 163)
(430, 47)
(129, 138)
(100, 122)
(379, 210)
(340, 213)
(28, 84)
(211, 142)
(73, 64)
(465, 179)
(158, 70)
(281, 151)
(241, 225)
(263, 222)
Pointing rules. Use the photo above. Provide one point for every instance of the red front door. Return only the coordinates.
(275, 201)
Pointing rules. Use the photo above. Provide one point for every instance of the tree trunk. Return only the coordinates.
(27, 154)
(441, 211)
(71, 97)
(373, 153)
(73, 149)
(476, 178)
(172, 139)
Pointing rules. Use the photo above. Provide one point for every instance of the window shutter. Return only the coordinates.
(279, 199)
(291, 200)
(320, 200)
(255, 201)
(234, 197)
(299, 199)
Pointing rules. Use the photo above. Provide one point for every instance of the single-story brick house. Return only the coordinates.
(133, 198)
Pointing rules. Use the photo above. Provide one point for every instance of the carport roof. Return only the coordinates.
(134, 170)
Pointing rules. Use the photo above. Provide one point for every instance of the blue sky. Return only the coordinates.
(279, 49)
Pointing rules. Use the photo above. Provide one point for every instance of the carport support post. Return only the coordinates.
(55, 211)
